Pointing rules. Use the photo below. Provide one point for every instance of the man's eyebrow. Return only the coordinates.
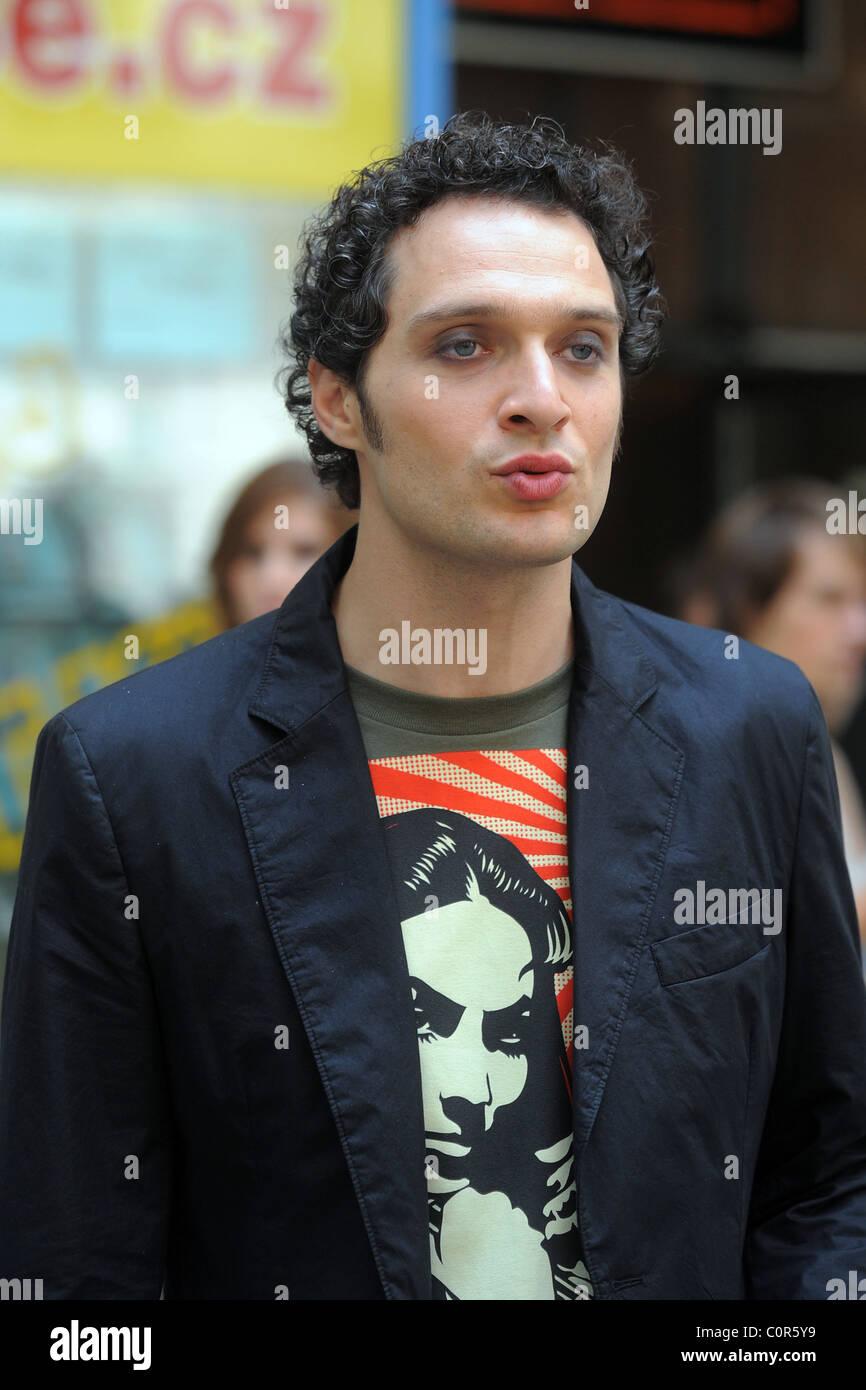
(505, 309)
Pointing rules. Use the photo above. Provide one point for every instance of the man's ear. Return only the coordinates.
(334, 405)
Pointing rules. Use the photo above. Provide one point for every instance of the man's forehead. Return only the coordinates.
(463, 228)
(489, 245)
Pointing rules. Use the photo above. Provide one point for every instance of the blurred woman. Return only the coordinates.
(279, 525)
(769, 571)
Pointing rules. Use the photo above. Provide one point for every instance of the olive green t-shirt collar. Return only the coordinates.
(437, 714)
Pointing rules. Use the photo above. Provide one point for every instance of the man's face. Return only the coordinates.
(818, 620)
(502, 340)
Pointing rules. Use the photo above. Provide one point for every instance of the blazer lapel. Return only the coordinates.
(322, 866)
(618, 829)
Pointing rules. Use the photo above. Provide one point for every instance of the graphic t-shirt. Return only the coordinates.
(472, 793)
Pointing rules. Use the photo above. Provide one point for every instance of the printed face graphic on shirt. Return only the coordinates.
(485, 936)
(470, 967)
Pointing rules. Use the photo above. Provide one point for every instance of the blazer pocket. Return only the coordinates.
(708, 950)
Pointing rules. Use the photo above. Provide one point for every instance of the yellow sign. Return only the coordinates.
(282, 96)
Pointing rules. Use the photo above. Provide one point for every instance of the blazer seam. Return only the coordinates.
(745, 1201)
(620, 614)
(585, 1225)
(163, 1054)
(647, 913)
(288, 731)
(102, 800)
(632, 710)
(124, 873)
(801, 799)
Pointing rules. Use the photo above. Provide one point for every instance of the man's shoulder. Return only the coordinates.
(715, 671)
(197, 688)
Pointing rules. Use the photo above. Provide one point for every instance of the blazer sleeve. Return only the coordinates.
(85, 1151)
(807, 1219)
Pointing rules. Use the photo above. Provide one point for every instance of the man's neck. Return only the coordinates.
(512, 628)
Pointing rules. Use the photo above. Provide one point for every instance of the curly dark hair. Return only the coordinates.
(343, 274)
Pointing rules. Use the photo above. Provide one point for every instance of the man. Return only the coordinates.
(217, 1070)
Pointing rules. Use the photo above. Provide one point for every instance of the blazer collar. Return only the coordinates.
(305, 650)
(321, 864)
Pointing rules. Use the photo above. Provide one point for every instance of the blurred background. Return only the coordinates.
(157, 161)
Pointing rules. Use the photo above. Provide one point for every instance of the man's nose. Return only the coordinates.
(534, 393)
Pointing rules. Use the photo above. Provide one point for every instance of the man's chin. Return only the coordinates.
(486, 541)
(532, 540)
(540, 551)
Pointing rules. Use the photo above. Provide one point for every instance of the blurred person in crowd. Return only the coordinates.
(769, 571)
(271, 949)
(278, 525)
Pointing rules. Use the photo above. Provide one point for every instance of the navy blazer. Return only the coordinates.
(179, 909)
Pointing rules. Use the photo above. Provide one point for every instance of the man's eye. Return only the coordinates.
(587, 348)
(458, 343)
